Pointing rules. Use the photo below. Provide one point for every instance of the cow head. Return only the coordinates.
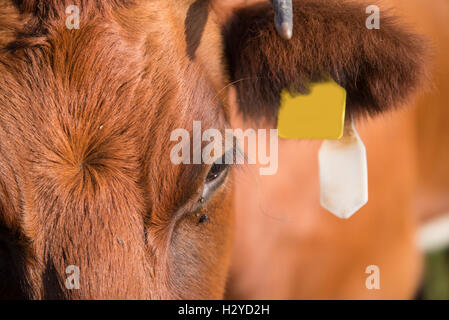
(87, 187)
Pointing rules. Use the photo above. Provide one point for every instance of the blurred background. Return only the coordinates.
(288, 247)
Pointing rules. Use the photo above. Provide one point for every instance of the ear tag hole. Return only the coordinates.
(343, 173)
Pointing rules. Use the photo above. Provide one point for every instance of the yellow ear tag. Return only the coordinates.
(318, 115)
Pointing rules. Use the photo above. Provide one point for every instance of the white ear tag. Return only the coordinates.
(344, 173)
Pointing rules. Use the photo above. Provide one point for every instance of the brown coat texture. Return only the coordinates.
(85, 121)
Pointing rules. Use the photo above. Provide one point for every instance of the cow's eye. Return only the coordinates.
(215, 177)
(216, 171)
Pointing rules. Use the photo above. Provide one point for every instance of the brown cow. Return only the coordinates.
(85, 119)
(287, 246)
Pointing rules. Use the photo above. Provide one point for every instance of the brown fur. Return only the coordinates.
(85, 125)
(85, 121)
(378, 68)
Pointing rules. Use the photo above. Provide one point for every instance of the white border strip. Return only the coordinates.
(434, 235)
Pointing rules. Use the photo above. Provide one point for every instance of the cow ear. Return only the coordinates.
(379, 68)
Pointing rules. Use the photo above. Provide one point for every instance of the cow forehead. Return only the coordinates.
(91, 96)
(96, 74)
(140, 52)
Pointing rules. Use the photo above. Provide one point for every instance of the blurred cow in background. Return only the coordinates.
(288, 247)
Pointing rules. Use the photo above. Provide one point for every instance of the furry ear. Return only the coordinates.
(379, 68)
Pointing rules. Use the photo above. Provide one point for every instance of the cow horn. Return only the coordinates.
(283, 18)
